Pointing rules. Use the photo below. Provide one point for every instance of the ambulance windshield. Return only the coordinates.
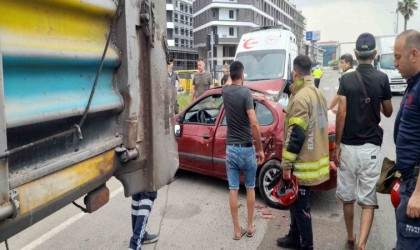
(262, 64)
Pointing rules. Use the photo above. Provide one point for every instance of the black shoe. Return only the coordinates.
(149, 238)
(289, 242)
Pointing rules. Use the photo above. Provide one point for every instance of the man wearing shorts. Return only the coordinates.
(242, 127)
(359, 137)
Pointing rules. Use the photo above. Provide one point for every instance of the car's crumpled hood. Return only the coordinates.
(270, 88)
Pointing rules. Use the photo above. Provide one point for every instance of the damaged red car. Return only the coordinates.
(200, 132)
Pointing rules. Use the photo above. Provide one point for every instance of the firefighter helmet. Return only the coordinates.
(395, 193)
(286, 192)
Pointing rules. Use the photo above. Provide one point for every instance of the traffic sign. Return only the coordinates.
(308, 35)
(313, 35)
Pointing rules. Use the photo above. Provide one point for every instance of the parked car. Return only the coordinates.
(201, 136)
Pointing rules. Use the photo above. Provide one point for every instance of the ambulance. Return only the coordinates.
(267, 54)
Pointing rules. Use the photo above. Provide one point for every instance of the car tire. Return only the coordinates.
(267, 173)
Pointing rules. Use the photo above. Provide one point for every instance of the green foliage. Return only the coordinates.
(406, 8)
(333, 63)
(184, 100)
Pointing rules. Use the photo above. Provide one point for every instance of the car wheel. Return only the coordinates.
(266, 175)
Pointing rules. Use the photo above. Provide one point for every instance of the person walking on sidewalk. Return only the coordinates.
(305, 150)
(242, 128)
(346, 65)
(407, 140)
(359, 137)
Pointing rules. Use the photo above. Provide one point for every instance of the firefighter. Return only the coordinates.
(305, 150)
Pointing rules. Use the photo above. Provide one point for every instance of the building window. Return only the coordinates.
(176, 30)
(231, 14)
(182, 32)
(231, 31)
(214, 12)
(170, 34)
(229, 50)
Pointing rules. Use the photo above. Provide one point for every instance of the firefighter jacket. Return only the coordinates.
(307, 109)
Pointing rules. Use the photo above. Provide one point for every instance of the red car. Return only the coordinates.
(201, 136)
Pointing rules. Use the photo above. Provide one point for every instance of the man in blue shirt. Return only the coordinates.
(407, 140)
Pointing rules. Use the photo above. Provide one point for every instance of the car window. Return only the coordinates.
(264, 115)
(205, 111)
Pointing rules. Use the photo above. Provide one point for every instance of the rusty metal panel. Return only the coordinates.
(147, 96)
(43, 190)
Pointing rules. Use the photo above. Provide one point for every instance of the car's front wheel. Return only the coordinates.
(267, 173)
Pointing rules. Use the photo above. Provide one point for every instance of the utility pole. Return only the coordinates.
(211, 45)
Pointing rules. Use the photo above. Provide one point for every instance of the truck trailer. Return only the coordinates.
(385, 62)
(83, 97)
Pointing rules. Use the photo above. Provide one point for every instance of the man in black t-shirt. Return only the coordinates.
(242, 127)
(359, 137)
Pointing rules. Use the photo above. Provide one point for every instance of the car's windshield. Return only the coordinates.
(387, 61)
(262, 64)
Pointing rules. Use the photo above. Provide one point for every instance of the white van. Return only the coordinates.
(385, 62)
(267, 55)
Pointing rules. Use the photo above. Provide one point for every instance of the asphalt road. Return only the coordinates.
(193, 213)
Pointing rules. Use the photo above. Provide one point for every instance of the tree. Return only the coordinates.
(406, 8)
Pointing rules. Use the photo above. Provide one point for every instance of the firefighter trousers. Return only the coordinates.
(300, 216)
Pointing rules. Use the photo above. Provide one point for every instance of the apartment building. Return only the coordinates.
(179, 23)
(229, 19)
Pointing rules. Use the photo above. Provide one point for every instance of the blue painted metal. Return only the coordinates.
(42, 89)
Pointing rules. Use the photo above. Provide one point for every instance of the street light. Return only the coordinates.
(396, 20)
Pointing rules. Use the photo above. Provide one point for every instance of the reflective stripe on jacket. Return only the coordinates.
(308, 109)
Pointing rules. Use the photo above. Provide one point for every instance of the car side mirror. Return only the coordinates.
(177, 130)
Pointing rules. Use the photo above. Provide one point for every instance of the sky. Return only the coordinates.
(345, 20)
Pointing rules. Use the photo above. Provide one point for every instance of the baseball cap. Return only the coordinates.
(365, 43)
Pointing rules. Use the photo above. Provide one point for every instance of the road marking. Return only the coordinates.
(63, 225)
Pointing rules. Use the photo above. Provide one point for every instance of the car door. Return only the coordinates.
(267, 123)
(198, 126)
